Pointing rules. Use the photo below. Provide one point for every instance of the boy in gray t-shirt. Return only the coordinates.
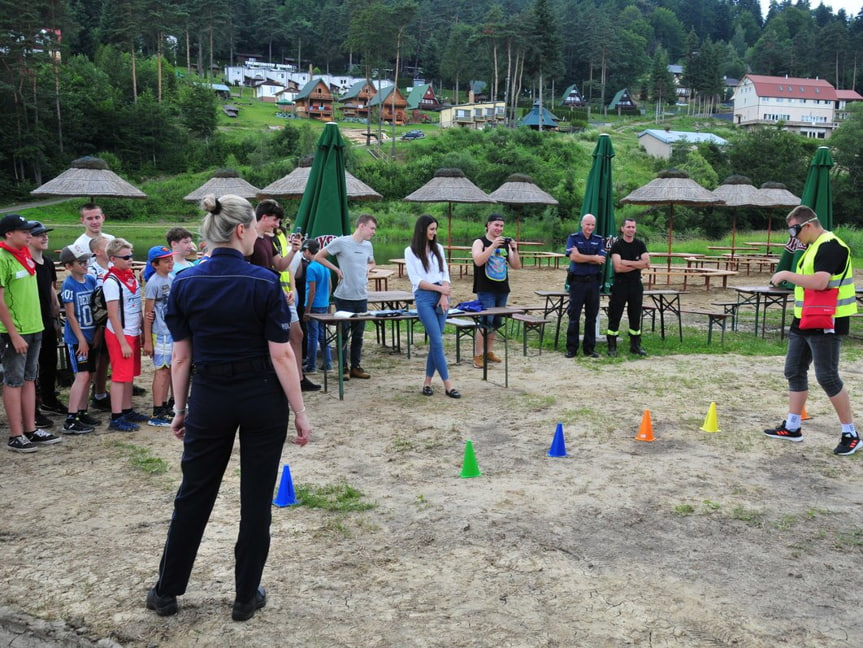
(158, 343)
(355, 256)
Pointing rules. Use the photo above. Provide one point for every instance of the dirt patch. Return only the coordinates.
(697, 539)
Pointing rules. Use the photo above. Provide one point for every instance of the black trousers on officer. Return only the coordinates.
(628, 294)
(255, 404)
(583, 294)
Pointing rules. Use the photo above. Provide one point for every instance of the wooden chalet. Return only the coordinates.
(392, 107)
(572, 97)
(315, 101)
(623, 102)
(422, 97)
(355, 102)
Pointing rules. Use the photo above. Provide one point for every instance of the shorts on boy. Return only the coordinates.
(79, 364)
(123, 369)
(163, 346)
(19, 368)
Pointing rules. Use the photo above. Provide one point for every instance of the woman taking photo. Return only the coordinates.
(230, 323)
(429, 275)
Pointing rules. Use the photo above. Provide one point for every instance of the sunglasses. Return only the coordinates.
(125, 257)
(794, 230)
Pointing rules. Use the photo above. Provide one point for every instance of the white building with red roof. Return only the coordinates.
(811, 107)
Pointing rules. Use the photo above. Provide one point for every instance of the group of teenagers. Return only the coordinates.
(234, 371)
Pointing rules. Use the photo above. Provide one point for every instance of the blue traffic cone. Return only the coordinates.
(286, 495)
(558, 445)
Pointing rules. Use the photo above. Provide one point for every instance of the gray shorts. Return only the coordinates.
(19, 368)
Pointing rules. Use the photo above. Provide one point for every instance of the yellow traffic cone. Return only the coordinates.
(645, 432)
(710, 422)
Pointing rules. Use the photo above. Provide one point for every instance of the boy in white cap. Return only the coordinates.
(76, 295)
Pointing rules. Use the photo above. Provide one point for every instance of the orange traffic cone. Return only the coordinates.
(645, 432)
(804, 416)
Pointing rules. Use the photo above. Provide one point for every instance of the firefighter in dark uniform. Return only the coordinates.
(629, 257)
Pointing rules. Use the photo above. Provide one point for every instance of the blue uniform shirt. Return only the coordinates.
(228, 308)
(587, 246)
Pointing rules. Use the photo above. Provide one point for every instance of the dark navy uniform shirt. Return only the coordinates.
(589, 247)
(228, 309)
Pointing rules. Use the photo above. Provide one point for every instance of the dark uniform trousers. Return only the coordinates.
(583, 294)
(219, 404)
(629, 294)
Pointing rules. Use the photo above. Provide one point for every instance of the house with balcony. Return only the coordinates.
(355, 102)
(315, 101)
(392, 104)
(477, 115)
(811, 107)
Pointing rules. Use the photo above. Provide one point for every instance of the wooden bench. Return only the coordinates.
(531, 323)
(687, 274)
(463, 328)
(713, 318)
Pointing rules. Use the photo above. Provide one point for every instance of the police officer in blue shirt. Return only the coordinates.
(587, 255)
(230, 323)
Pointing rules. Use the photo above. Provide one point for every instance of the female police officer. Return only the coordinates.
(230, 325)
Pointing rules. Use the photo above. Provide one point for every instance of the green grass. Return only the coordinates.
(339, 497)
(142, 459)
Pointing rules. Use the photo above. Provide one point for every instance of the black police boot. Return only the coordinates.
(612, 345)
(635, 345)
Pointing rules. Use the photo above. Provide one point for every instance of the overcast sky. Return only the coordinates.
(851, 7)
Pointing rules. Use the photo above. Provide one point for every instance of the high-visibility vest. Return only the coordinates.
(284, 247)
(847, 302)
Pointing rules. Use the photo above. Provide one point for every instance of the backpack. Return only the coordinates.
(100, 309)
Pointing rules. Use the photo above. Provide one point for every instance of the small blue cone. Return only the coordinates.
(558, 445)
(286, 495)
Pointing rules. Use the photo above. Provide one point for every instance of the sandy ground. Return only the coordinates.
(696, 539)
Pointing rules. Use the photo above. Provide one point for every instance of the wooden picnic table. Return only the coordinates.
(380, 277)
(686, 274)
(766, 244)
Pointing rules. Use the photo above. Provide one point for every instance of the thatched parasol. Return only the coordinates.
(449, 186)
(519, 190)
(775, 195)
(224, 182)
(293, 185)
(738, 191)
(672, 187)
(89, 176)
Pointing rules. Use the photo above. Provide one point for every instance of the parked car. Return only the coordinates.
(413, 134)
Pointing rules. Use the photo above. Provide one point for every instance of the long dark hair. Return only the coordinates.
(420, 242)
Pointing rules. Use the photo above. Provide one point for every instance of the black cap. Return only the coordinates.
(494, 217)
(12, 222)
(39, 228)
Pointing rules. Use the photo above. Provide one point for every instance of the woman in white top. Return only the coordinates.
(429, 275)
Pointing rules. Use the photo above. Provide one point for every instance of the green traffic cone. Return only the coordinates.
(468, 467)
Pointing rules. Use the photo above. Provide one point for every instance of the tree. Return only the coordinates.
(456, 60)
(847, 146)
(662, 88)
(543, 54)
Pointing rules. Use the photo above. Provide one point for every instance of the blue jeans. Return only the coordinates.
(316, 334)
(491, 300)
(356, 329)
(433, 320)
(802, 351)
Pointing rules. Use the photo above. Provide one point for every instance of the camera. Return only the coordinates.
(507, 241)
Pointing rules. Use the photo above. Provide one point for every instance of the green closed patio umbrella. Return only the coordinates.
(323, 214)
(599, 199)
(817, 194)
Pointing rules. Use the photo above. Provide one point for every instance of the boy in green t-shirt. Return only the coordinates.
(21, 327)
